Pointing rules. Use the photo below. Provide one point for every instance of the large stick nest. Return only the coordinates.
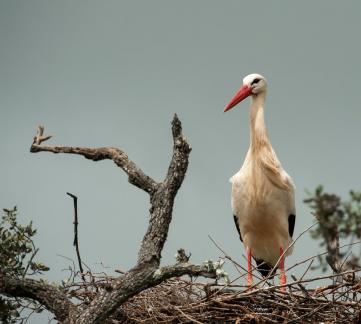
(188, 301)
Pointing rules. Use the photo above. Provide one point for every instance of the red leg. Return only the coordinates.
(283, 279)
(249, 259)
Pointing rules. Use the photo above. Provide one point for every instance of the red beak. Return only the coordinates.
(242, 94)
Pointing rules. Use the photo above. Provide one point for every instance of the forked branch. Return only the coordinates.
(146, 273)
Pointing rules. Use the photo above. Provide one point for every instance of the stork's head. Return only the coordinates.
(253, 85)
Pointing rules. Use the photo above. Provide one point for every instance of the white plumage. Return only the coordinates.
(263, 199)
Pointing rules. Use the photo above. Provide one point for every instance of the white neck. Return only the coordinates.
(258, 136)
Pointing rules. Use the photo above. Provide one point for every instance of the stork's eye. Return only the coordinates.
(255, 81)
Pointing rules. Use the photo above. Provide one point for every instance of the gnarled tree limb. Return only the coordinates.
(146, 273)
(163, 199)
(135, 175)
(142, 275)
(51, 297)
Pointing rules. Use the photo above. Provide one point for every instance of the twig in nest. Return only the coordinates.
(302, 287)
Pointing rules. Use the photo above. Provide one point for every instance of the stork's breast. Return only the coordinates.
(264, 223)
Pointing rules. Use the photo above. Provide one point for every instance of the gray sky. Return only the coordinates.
(113, 73)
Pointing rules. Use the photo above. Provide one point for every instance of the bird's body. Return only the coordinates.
(262, 211)
(262, 191)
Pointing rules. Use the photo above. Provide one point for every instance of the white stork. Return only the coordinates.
(263, 199)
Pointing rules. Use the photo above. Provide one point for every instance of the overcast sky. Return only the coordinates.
(113, 73)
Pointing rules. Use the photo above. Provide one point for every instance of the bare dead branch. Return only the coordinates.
(163, 199)
(76, 241)
(142, 275)
(146, 272)
(39, 138)
(135, 175)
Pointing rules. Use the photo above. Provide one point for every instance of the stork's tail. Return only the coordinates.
(263, 267)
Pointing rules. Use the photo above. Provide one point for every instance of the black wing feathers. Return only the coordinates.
(291, 224)
(236, 222)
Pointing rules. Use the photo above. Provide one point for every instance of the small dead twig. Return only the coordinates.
(76, 241)
(302, 287)
(39, 138)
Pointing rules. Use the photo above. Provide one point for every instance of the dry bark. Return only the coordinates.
(146, 273)
(49, 296)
